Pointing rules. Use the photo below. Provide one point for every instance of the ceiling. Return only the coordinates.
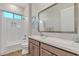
(23, 5)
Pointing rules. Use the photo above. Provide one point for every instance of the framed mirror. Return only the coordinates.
(59, 18)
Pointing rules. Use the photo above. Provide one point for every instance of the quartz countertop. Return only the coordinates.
(58, 42)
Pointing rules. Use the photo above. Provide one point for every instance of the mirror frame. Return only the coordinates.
(75, 19)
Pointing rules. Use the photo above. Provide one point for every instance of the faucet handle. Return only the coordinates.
(24, 35)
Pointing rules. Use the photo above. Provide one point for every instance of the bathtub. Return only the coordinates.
(10, 47)
(14, 46)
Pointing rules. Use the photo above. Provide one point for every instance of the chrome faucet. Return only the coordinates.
(41, 34)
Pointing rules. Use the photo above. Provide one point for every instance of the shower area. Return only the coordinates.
(13, 32)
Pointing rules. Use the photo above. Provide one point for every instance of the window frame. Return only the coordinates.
(17, 15)
(5, 15)
(22, 16)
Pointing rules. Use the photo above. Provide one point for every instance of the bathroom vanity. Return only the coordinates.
(39, 46)
(57, 18)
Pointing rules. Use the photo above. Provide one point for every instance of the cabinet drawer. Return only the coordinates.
(34, 42)
(56, 51)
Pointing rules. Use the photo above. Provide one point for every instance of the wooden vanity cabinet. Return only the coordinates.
(56, 51)
(37, 48)
(33, 48)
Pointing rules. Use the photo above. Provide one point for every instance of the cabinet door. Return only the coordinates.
(45, 53)
(35, 50)
(30, 49)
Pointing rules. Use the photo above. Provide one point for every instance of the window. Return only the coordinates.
(8, 14)
(17, 17)
(11, 15)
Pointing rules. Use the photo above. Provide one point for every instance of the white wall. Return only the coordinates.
(0, 30)
(26, 22)
(27, 13)
(11, 7)
(27, 27)
(37, 7)
(10, 35)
